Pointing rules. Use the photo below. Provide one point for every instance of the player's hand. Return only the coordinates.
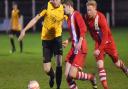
(65, 43)
(22, 34)
(78, 46)
(97, 52)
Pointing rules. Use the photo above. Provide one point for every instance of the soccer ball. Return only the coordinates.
(33, 84)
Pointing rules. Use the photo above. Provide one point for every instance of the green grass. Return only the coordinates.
(17, 69)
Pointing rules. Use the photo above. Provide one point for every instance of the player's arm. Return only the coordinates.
(28, 26)
(31, 24)
(34, 20)
(104, 28)
(81, 24)
(82, 27)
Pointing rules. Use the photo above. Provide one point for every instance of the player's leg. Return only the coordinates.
(100, 66)
(102, 73)
(58, 70)
(58, 54)
(11, 36)
(50, 72)
(47, 55)
(112, 52)
(120, 64)
(80, 75)
(70, 80)
(20, 42)
(76, 73)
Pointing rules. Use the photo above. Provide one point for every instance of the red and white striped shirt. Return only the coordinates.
(77, 29)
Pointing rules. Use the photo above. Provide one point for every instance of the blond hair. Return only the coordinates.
(91, 3)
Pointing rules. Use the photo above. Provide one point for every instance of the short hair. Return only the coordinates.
(32, 84)
(68, 2)
(91, 3)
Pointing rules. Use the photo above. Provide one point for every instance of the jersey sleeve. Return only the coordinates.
(42, 13)
(104, 28)
(81, 24)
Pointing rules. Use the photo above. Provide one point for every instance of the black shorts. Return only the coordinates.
(13, 32)
(51, 47)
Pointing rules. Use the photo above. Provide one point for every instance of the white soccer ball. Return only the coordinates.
(33, 85)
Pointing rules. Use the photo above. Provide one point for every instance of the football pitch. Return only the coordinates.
(17, 69)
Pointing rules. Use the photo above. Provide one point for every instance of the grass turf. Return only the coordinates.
(17, 69)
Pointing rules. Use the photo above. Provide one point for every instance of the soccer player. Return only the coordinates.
(76, 56)
(51, 38)
(15, 28)
(104, 42)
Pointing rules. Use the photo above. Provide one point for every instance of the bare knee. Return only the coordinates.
(73, 72)
(73, 75)
(47, 67)
(100, 64)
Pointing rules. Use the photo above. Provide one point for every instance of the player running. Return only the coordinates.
(51, 38)
(104, 42)
(76, 56)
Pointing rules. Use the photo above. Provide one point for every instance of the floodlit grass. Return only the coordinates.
(17, 69)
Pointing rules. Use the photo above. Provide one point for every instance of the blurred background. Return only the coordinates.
(116, 11)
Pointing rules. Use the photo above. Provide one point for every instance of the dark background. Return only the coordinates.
(25, 6)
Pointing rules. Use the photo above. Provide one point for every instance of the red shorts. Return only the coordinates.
(109, 49)
(77, 60)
